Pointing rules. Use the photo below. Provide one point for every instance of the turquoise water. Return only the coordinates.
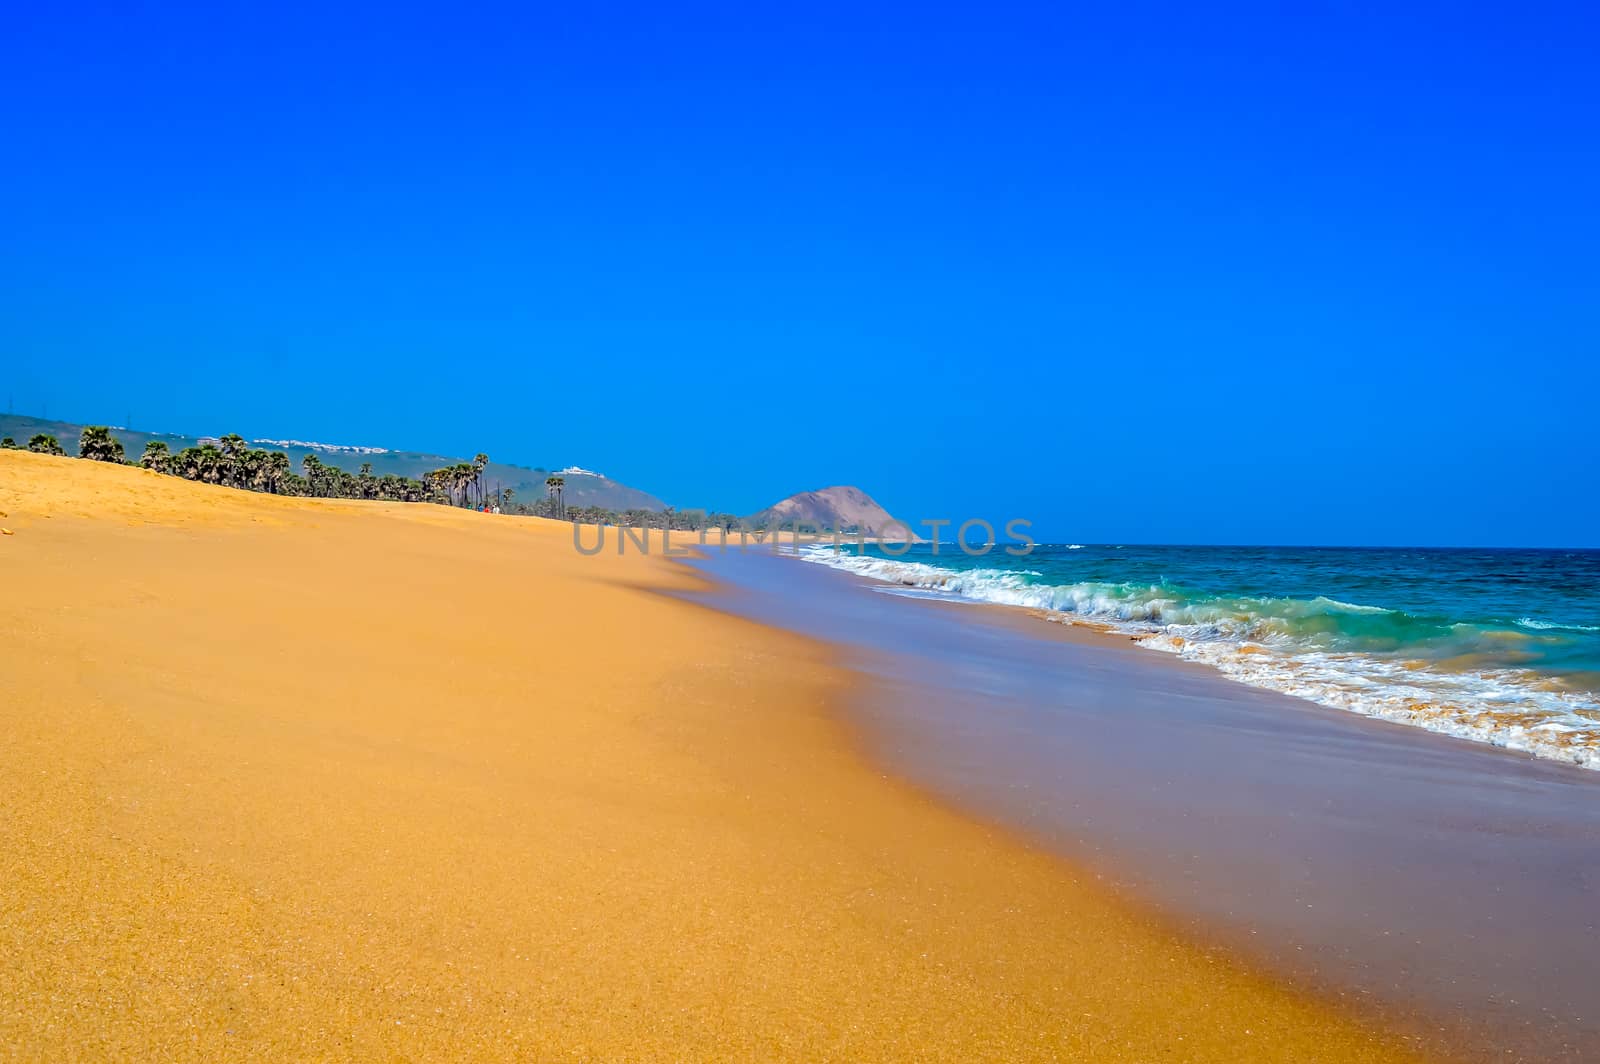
(1498, 646)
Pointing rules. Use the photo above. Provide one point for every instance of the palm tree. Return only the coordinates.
(44, 443)
(232, 466)
(555, 486)
(443, 483)
(157, 456)
(433, 483)
(480, 461)
(313, 467)
(97, 444)
(257, 470)
(203, 463)
(213, 464)
(278, 471)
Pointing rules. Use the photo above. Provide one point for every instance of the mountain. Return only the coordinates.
(583, 487)
(843, 509)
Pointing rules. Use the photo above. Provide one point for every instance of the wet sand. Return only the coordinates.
(295, 779)
(1450, 888)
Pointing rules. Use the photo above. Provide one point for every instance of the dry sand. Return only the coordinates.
(297, 779)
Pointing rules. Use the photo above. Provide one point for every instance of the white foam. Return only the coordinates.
(1547, 626)
(1511, 708)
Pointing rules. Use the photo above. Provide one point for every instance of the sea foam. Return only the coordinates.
(1340, 654)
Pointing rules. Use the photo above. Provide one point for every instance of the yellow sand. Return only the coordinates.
(294, 779)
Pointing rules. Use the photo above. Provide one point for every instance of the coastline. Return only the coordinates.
(311, 778)
(1435, 883)
(1519, 686)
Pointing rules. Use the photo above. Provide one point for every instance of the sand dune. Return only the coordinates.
(292, 779)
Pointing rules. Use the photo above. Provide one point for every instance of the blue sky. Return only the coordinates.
(1137, 273)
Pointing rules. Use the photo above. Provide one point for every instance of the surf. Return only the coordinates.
(1479, 679)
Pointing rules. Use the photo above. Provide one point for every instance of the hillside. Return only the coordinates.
(844, 509)
(582, 489)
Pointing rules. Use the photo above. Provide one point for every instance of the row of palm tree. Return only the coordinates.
(231, 462)
(39, 443)
(461, 483)
(676, 520)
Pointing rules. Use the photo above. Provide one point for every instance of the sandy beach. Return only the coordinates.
(304, 779)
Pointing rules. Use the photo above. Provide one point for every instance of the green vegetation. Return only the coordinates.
(156, 456)
(677, 520)
(231, 462)
(97, 444)
(526, 481)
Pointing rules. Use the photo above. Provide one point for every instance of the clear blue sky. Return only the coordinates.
(1138, 273)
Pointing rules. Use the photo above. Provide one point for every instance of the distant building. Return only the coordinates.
(575, 471)
(337, 448)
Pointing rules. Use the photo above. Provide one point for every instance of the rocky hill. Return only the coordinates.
(841, 509)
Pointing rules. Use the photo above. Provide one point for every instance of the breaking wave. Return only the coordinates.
(1547, 626)
(1456, 678)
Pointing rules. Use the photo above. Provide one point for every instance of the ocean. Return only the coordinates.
(1497, 646)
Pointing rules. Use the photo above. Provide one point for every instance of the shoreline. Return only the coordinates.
(1029, 619)
(1230, 811)
(1252, 664)
(317, 778)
